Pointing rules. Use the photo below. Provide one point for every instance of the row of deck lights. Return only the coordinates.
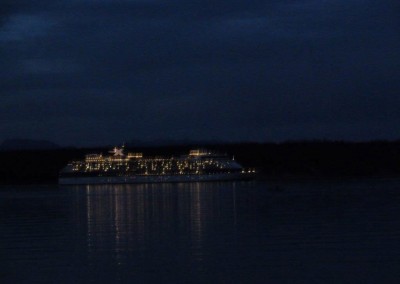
(95, 162)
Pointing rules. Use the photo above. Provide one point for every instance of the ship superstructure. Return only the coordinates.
(198, 165)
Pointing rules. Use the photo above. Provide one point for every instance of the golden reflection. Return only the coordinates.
(196, 216)
(139, 217)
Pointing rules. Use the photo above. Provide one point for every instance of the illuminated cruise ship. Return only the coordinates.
(199, 165)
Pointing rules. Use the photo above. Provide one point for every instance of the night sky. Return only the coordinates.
(80, 72)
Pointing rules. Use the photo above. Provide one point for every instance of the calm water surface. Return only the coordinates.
(231, 232)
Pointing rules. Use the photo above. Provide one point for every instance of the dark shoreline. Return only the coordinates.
(290, 161)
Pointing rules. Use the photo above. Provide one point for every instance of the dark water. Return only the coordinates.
(250, 232)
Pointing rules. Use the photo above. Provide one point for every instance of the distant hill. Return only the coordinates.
(27, 144)
(279, 161)
(171, 142)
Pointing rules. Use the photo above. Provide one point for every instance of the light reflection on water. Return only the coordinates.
(153, 221)
(135, 216)
(243, 232)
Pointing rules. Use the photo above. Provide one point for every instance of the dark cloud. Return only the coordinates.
(88, 71)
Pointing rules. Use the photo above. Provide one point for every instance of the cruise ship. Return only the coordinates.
(120, 168)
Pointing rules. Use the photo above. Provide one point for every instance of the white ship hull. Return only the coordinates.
(151, 178)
